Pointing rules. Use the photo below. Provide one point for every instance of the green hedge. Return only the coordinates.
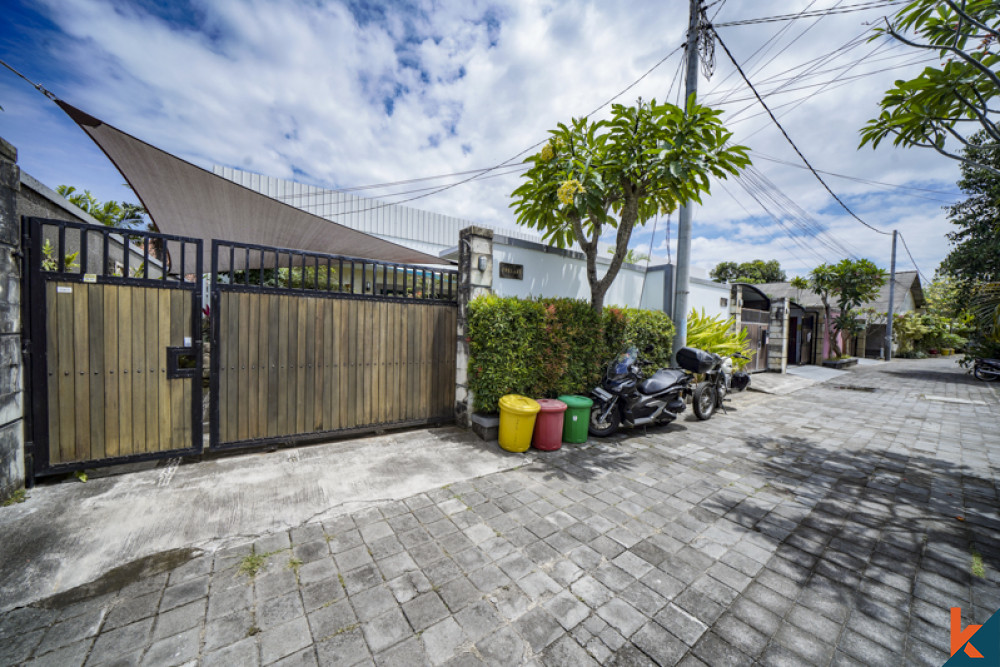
(545, 347)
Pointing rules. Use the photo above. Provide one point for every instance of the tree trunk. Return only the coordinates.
(828, 323)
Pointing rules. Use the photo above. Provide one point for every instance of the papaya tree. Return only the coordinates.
(593, 177)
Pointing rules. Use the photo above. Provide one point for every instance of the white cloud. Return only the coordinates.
(300, 89)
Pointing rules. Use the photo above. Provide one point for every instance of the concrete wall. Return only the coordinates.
(11, 375)
(708, 295)
(549, 272)
(475, 250)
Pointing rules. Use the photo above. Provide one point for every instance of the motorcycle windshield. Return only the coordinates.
(619, 368)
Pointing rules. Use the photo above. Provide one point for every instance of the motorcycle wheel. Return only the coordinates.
(603, 429)
(704, 401)
(985, 375)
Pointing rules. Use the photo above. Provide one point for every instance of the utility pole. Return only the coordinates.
(683, 278)
(892, 294)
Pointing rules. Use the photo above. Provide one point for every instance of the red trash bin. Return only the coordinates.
(549, 425)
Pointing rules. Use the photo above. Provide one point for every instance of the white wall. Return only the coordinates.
(708, 295)
(552, 274)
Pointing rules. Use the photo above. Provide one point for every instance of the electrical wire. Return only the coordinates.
(846, 9)
(789, 139)
(913, 261)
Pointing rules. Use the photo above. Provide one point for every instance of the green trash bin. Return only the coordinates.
(577, 418)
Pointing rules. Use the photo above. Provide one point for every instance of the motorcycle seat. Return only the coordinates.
(660, 380)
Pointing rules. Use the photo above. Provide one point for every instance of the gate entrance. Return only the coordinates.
(114, 340)
(755, 323)
(308, 345)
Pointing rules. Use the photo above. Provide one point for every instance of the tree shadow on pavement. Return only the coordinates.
(936, 376)
(896, 538)
(582, 464)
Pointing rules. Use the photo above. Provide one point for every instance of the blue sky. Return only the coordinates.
(342, 94)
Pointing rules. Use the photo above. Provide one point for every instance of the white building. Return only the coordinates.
(523, 265)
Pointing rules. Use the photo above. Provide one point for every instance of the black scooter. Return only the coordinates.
(987, 369)
(625, 398)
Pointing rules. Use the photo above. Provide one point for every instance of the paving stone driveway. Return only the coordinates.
(835, 525)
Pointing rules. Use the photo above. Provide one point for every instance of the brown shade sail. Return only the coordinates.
(186, 200)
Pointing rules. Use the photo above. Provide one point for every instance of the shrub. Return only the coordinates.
(545, 347)
(714, 334)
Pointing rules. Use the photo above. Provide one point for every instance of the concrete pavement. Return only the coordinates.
(833, 525)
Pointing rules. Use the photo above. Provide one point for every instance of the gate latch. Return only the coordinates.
(182, 362)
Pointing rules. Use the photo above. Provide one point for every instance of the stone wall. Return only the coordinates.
(777, 336)
(11, 377)
(475, 277)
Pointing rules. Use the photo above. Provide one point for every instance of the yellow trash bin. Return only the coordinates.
(517, 422)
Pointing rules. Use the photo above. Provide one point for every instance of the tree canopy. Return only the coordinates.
(975, 255)
(611, 175)
(110, 213)
(952, 101)
(756, 272)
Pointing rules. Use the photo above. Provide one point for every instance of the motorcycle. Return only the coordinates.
(626, 398)
(720, 379)
(986, 369)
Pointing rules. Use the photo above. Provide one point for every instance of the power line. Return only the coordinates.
(913, 261)
(792, 143)
(846, 9)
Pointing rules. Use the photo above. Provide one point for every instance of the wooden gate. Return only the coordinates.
(755, 322)
(114, 344)
(307, 345)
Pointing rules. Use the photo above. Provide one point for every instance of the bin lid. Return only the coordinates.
(576, 401)
(519, 404)
(551, 405)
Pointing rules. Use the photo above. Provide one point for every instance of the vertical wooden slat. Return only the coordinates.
(175, 387)
(383, 362)
(328, 365)
(253, 371)
(351, 356)
(374, 398)
(243, 368)
(319, 361)
(452, 356)
(81, 371)
(274, 363)
(189, 432)
(138, 371)
(411, 358)
(52, 380)
(150, 368)
(112, 334)
(363, 350)
(425, 319)
(222, 353)
(394, 348)
(164, 405)
(300, 372)
(308, 398)
(95, 331)
(282, 394)
(260, 387)
(232, 352)
(126, 371)
(339, 375)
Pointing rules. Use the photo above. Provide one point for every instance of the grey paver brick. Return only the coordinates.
(567, 610)
(279, 610)
(67, 656)
(442, 640)
(331, 620)
(284, 640)
(538, 628)
(243, 652)
(69, 632)
(174, 650)
(425, 610)
(228, 629)
(478, 620)
(385, 630)
(346, 648)
(659, 644)
(623, 616)
(503, 647)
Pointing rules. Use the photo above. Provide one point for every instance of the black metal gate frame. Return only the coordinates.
(35, 343)
(242, 256)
